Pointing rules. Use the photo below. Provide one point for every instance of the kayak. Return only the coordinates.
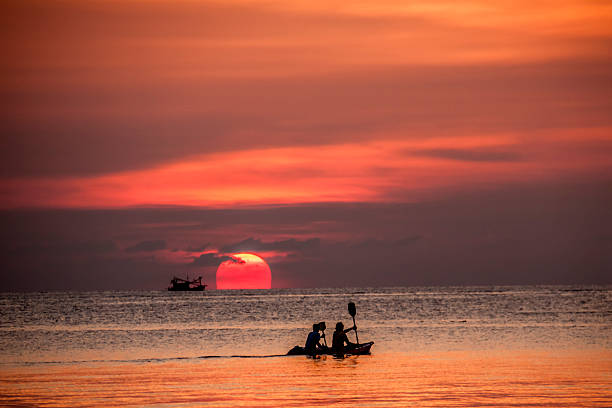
(358, 349)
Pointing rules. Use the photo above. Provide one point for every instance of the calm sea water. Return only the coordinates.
(451, 346)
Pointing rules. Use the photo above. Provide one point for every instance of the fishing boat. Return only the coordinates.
(356, 349)
(180, 284)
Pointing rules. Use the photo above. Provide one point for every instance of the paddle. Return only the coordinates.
(353, 311)
(322, 327)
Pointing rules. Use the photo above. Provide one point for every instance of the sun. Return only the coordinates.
(248, 272)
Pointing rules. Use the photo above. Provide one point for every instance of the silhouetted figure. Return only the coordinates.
(322, 328)
(340, 339)
(313, 341)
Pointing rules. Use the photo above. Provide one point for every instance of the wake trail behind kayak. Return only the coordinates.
(138, 360)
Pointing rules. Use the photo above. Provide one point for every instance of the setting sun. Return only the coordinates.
(250, 272)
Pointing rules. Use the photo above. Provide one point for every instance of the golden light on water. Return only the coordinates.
(435, 379)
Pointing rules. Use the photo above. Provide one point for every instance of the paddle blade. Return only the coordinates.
(351, 309)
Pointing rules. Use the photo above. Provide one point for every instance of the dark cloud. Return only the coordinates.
(374, 243)
(199, 248)
(213, 259)
(408, 240)
(59, 145)
(252, 244)
(517, 234)
(475, 155)
(67, 248)
(86, 274)
(147, 246)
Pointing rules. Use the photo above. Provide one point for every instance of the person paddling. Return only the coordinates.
(313, 341)
(340, 338)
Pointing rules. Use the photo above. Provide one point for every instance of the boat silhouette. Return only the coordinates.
(180, 284)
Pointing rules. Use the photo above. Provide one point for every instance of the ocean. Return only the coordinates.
(434, 346)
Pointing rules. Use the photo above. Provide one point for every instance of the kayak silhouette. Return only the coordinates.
(313, 346)
(357, 349)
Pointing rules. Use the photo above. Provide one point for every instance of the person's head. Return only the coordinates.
(315, 327)
(339, 326)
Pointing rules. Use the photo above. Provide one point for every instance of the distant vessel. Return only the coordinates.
(179, 284)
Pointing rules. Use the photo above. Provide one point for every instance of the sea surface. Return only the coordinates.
(438, 346)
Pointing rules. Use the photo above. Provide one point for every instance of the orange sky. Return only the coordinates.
(329, 136)
(122, 103)
(367, 171)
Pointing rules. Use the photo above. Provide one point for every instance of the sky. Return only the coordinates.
(366, 143)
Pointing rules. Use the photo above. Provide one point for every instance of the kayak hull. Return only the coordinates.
(359, 349)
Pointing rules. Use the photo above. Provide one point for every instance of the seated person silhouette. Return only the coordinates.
(313, 341)
(340, 339)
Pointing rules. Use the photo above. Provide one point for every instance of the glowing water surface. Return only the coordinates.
(494, 346)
